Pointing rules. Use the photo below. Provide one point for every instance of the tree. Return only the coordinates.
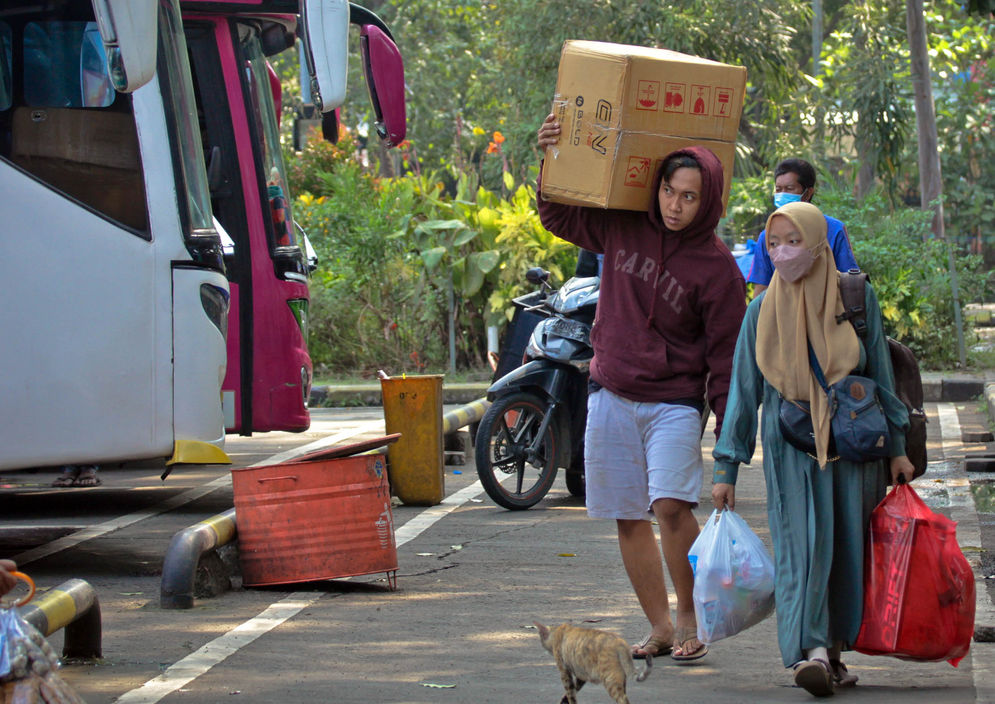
(930, 181)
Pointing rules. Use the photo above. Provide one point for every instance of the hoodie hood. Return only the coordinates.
(712, 183)
(702, 227)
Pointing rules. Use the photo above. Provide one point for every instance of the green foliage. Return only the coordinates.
(480, 77)
(964, 63)
(390, 251)
(750, 202)
(864, 92)
(910, 272)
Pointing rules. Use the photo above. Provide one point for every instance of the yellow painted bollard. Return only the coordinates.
(412, 406)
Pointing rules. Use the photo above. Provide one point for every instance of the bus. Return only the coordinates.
(116, 301)
(238, 98)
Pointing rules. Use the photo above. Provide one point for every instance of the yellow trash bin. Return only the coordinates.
(412, 406)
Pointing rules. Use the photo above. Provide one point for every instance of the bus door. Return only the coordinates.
(269, 369)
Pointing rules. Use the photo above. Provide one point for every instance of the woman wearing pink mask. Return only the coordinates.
(818, 505)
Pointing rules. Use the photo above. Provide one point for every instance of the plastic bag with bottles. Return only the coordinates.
(733, 577)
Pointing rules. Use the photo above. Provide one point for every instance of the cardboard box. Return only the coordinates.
(623, 108)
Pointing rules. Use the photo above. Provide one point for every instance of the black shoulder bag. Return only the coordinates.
(859, 427)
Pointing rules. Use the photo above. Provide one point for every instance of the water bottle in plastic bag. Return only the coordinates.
(733, 577)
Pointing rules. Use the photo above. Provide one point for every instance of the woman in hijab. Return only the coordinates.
(818, 506)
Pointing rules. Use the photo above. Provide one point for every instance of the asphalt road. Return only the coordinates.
(472, 579)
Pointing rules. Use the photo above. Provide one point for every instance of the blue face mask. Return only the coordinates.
(782, 198)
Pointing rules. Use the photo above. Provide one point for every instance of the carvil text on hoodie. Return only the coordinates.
(671, 303)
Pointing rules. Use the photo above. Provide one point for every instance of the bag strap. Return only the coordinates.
(814, 362)
(852, 294)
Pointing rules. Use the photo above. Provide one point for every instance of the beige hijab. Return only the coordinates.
(794, 315)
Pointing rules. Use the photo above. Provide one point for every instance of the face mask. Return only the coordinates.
(792, 262)
(785, 198)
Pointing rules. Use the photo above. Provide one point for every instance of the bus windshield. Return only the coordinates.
(263, 110)
(181, 111)
(65, 66)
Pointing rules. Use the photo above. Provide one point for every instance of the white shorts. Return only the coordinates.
(636, 453)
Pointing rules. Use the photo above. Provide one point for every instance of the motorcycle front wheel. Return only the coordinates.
(516, 466)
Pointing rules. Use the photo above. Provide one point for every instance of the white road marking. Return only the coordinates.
(198, 662)
(427, 518)
(100, 529)
(202, 660)
(95, 531)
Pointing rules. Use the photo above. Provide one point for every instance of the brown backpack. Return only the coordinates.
(908, 382)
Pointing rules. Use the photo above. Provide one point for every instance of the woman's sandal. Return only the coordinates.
(841, 676)
(660, 646)
(683, 636)
(815, 677)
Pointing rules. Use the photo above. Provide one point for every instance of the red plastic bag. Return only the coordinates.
(918, 586)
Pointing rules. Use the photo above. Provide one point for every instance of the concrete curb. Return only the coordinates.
(936, 388)
(349, 395)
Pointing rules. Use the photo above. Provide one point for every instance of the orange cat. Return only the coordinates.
(589, 655)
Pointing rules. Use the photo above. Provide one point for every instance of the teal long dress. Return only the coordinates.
(818, 518)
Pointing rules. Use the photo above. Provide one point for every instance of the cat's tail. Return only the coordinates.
(646, 670)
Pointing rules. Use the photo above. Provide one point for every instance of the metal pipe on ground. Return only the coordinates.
(464, 415)
(179, 568)
(72, 605)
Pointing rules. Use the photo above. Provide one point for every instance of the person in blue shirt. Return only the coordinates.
(794, 180)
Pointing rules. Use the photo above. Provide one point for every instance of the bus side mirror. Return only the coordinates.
(384, 71)
(326, 50)
(128, 29)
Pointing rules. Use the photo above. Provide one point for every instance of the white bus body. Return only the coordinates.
(114, 296)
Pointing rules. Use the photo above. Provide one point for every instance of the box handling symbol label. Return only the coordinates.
(637, 172)
(723, 96)
(673, 101)
(700, 100)
(649, 95)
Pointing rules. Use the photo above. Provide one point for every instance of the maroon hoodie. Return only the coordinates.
(671, 303)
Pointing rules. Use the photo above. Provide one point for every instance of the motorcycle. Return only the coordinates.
(538, 411)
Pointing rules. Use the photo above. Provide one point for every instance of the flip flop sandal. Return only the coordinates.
(682, 638)
(815, 677)
(661, 646)
(87, 477)
(66, 479)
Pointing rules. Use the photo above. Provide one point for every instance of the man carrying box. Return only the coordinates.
(671, 303)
